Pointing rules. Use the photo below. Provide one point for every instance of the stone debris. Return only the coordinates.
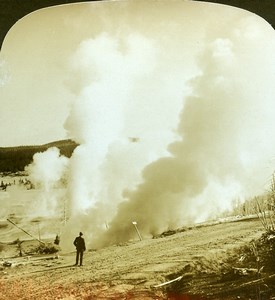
(7, 264)
(245, 271)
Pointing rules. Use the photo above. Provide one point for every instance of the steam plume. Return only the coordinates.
(46, 172)
(225, 140)
(115, 105)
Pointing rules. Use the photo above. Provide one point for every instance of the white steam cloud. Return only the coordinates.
(226, 140)
(225, 144)
(119, 123)
(97, 118)
(46, 172)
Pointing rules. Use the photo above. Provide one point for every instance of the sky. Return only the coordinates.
(38, 80)
(171, 102)
(38, 83)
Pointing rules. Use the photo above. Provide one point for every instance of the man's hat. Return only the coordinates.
(80, 233)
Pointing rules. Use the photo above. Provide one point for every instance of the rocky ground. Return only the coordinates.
(213, 261)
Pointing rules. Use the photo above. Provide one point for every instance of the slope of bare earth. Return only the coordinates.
(197, 257)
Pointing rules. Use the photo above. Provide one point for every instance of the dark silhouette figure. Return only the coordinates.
(79, 243)
(57, 240)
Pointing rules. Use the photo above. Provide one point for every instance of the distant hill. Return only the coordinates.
(14, 159)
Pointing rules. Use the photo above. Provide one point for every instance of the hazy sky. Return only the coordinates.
(39, 79)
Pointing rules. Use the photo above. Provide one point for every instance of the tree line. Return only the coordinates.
(15, 159)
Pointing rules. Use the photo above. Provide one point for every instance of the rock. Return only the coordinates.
(7, 264)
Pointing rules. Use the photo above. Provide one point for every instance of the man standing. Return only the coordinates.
(79, 243)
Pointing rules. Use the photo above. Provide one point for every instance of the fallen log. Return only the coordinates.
(256, 281)
(26, 232)
(168, 282)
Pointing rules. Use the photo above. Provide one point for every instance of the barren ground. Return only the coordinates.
(135, 269)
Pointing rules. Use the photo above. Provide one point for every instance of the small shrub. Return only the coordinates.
(15, 242)
(47, 248)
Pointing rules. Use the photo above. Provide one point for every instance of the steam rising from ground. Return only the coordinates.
(97, 119)
(225, 134)
(157, 148)
(118, 120)
(46, 172)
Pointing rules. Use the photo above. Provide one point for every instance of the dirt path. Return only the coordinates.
(130, 271)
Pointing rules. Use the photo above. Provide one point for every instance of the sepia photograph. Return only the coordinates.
(137, 150)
